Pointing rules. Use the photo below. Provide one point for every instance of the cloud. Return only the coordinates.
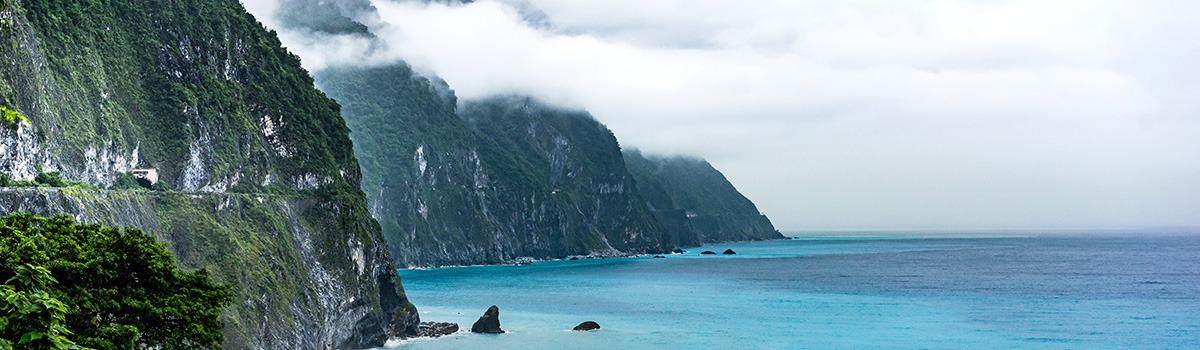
(834, 113)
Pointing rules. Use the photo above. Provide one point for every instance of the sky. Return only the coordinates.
(847, 114)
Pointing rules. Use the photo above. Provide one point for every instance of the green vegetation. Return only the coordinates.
(209, 77)
(263, 247)
(120, 288)
(4, 21)
(50, 179)
(173, 77)
(12, 116)
(695, 199)
(29, 316)
(126, 181)
(505, 172)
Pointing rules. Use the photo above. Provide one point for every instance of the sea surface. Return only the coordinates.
(1110, 290)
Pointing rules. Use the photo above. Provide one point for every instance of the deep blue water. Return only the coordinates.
(933, 291)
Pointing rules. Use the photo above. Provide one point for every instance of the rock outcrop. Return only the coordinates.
(436, 329)
(488, 323)
(587, 326)
(729, 252)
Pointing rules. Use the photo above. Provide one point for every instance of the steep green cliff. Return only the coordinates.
(201, 91)
(695, 201)
(500, 179)
(197, 89)
(488, 181)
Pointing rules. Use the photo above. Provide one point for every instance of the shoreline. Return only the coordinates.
(520, 261)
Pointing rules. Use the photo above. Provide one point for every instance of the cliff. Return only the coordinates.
(476, 182)
(492, 181)
(269, 195)
(695, 201)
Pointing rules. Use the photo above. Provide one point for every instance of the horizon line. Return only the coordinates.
(973, 229)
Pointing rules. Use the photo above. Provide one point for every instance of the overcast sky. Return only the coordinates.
(827, 114)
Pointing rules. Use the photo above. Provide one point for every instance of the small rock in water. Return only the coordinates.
(707, 252)
(729, 252)
(677, 251)
(436, 329)
(587, 326)
(574, 258)
(489, 322)
(659, 257)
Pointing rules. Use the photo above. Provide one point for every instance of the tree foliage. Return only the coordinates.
(121, 288)
(29, 315)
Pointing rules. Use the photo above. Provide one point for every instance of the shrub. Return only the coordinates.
(12, 116)
(50, 179)
(126, 181)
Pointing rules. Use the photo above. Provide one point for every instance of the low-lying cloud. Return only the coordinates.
(847, 114)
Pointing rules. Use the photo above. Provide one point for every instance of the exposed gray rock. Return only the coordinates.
(489, 322)
(587, 326)
(436, 329)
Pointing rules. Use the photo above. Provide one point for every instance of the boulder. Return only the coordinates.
(489, 322)
(729, 252)
(707, 252)
(659, 257)
(436, 329)
(587, 326)
(677, 251)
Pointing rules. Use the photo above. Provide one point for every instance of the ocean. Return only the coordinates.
(839, 291)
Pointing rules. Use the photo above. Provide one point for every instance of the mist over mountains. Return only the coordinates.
(485, 180)
(929, 114)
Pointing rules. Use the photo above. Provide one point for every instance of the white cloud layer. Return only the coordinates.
(853, 114)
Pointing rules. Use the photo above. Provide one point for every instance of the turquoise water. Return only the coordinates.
(1040, 292)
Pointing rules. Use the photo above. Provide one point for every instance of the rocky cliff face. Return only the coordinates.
(695, 201)
(494, 181)
(198, 89)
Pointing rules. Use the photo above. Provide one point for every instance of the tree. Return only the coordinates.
(121, 287)
(29, 315)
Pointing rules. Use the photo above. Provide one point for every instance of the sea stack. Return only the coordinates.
(489, 322)
(587, 326)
